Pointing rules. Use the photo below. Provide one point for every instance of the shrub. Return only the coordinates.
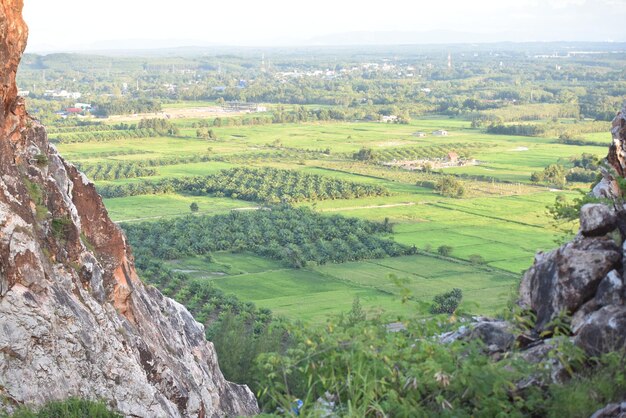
(444, 250)
(477, 259)
(364, 154)
(447, 302)
(450, 187)
(41, 160)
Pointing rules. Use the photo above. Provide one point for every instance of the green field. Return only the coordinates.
(310, 294)
(304, 294)
(503, 219)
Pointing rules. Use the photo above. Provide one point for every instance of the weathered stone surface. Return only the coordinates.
(564, 279)
(496, 335)
(537, 353)
(13, 34)
(597, 219)
(603, 330)
(617, 150)
(613, 410)
(610, 290)
(607, 187)
(75, 320)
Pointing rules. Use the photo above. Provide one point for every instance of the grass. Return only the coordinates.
(312, 294)
(69, 408)
(485, 291)
(138, 208)
(303, 294)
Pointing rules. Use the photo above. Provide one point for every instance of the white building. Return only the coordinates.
(63, 94)
(440, 132)
(389, 119)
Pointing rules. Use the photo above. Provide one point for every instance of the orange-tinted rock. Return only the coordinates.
(13, 34)
(75, 320)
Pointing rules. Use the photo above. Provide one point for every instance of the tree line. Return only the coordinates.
(88, 168)
(115, 170)
(124, 106)
(266, 185)
(104, 136)
(296, 236)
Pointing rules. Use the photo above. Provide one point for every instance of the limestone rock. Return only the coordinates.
(613, 410)
(603, 330)
(75, 320)
(564, 279)
(610, 290)
(13, 34)
(496, 335)
(617, 150)
(537, 353)
(597, 220)
(607, 187)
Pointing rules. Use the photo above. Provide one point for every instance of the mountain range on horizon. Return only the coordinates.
(355, 38)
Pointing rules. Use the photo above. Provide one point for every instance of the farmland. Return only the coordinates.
(341, 134)
(502, 219)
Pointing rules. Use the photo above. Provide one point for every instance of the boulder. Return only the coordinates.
(603, 330)
(564, 279)
(497, 336)
(610, 290)
(597, 220)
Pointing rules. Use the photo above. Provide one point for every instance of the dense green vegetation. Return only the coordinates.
(115, 171)
(464, 150)
(125, 169)
(118, 106)
(268, 185)
(104, 136)
(299, 237)
(584, 170)
(367, 371)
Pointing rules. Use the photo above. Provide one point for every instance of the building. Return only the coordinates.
(389, 119)
(62, 94)
(452, 157)
(440, 132)
(419, 134)
(243, 107)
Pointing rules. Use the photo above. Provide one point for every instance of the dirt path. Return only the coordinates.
(177, 113)
(394, 205)
(146, 218)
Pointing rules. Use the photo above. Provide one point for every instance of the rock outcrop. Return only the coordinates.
(75, 320)
(584, 278)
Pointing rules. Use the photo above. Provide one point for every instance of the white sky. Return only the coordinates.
(72, 23)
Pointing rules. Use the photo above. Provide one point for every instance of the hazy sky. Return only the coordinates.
(68, 24)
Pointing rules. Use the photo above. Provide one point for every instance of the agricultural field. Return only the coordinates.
(493, 230)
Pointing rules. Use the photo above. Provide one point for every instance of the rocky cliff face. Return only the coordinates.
(585, 277)
(75, 320)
